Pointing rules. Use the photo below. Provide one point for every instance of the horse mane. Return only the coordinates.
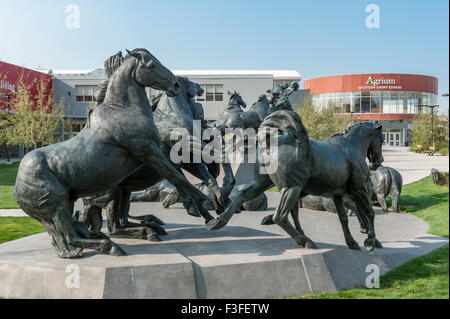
(288, 123)
(351, 127)
(111, 65)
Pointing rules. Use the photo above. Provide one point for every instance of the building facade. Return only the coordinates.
(394, 99)
(11, 78)
(76, 88)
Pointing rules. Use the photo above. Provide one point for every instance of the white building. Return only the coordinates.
(76, 88)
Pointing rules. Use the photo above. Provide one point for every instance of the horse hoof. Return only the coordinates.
(215, 224)
(155, 227)
(311, 245)
(153, 237)
(363, 231)
(267, 220)
(117, 251)
(378, 244)
(153, 219)
(353, 245)
(370, 244)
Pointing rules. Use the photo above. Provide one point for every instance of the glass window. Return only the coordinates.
(365, 102)
(218, 95)
(79, 93)
(356, 107)
(375, 102)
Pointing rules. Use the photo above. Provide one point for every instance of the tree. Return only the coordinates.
(421, 132)
(31, 120)
(322, 123)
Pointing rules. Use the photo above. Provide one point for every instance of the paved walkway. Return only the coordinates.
(413, 166)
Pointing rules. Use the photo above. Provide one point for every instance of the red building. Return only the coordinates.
(11, 74)
(393, 99)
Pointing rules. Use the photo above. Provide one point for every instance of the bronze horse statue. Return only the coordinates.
(119, 138)
(235, 117)
(334, 168)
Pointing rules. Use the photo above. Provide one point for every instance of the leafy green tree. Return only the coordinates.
(322, 123)
(32, 122)
(421, 132)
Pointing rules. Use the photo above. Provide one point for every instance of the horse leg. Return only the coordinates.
(350, 205)
(343, 218)
(395, 195)
(117, 210)
(295, 217)
(382, 200)
(186, 189)
(288, 203)
(253, 190)
(200, 171)
(71, 235)
(145, 221)
(91, 215)
(365, 208)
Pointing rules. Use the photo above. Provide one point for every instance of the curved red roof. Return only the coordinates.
(373, 82)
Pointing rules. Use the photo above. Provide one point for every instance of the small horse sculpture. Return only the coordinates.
(235, 117)
(385, 181)
(119, 138)
(335, 168)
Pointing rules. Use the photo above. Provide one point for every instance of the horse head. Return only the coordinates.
(236, 100)
(149, 72)
(192, 89)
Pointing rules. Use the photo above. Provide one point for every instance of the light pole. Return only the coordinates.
(432, 107)
(448, 109)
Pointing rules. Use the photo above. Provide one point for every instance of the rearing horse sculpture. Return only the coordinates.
(119, 137)
(332, 168)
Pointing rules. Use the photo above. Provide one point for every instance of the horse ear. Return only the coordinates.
(133, 54)
(378, 125)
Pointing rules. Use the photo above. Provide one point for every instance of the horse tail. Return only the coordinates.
(397, 180)
(288, 122)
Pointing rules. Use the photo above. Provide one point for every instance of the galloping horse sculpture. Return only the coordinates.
(333, 168)
(119, 138)
(235, 117)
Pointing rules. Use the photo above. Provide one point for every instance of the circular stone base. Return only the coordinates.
(241, 260)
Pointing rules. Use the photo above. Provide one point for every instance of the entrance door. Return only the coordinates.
(394, 139)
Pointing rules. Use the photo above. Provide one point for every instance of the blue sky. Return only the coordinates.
(316, 38)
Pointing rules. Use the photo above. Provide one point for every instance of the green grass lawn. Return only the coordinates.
(423, 277)
(8, 174)
(12, 228)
